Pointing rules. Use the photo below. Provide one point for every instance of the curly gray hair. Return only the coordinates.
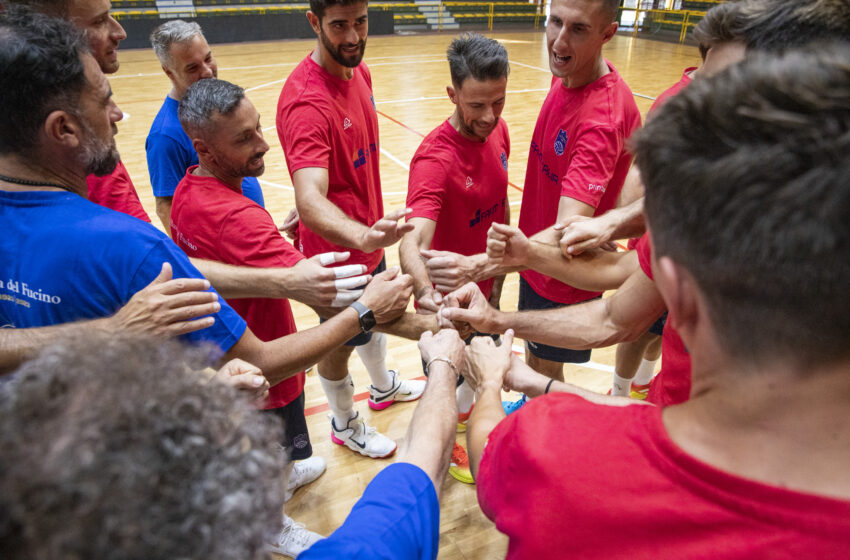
(115, 448)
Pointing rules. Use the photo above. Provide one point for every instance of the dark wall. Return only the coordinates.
(251, 27)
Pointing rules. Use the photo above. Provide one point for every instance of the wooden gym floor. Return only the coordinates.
(409, 76)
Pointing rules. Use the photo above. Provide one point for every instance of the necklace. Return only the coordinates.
(29, 183)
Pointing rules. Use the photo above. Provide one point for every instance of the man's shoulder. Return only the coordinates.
(166, 125)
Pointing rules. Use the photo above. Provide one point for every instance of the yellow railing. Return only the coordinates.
(685, 22)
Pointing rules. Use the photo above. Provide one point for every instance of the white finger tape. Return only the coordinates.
(343, 299)
(349, 270)
(349, 283)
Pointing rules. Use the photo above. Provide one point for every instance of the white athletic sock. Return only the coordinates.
(340, 399)
(374, 357)
(621, 387)
(465, 397)
(645, 371)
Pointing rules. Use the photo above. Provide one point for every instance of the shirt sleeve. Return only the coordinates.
(592, 164)
(644, 253)
(249, 237)
(167, 163)
(228, 326)
(426, 188)
(306, 138)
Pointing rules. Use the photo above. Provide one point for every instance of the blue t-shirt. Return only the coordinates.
(64, 259)
(397, 518)
(170, 153)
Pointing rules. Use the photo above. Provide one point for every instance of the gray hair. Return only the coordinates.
(203, 100)
(474, 56)
(115, 448)
(174, 31)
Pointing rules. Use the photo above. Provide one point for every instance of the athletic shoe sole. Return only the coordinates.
(381, 406)
(461, 475)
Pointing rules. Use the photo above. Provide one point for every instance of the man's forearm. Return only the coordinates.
(20, 345)
(430, 433)
(412, 263)
(593, 270)
(486, 415)
(628, 221)
(583, 326)
(244, 281)
(326, 219)
(284, 357)
(410, 325)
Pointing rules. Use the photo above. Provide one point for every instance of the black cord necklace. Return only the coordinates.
(28, 183)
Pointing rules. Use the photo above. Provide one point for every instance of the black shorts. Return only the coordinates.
(658, 326)
(364, 337)
(296, 439)
(531, 300)
(495, 337)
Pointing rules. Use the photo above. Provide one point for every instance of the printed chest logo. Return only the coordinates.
(363, 154)
(346, 124)
(469, 182)
(561, 142)
(504, 159)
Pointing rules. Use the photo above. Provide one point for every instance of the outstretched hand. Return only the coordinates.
(469, 306)
(580, 234)
(246, 377)
(321, 286)
(388, 294)
(386, 231)
(445, 344)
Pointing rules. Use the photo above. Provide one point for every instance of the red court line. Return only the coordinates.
(357, 398)
(414, 131)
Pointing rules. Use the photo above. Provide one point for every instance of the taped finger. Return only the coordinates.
(346, 298)
(349, 270)
(350, 283)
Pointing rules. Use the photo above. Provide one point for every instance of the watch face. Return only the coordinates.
(367, 321)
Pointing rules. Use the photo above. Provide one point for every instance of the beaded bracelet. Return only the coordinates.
(440, 359)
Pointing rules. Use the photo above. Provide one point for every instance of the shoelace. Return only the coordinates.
(296, 533)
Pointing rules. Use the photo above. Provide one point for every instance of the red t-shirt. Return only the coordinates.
(324, 121)
(462, 185)
(661, 100)
(116, 191)
(548, 481)
(577, 150)
(672, 385)
(211, 220)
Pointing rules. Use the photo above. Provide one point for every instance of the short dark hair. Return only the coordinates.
(204, 100)
(719, 25)
(41, 70)
(56, 8)
(746, 187)
(474, 56)
(776, 25)
(113, 447)
(318, 7)
(610, 8)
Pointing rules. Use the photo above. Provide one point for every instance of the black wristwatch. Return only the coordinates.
(365, 315)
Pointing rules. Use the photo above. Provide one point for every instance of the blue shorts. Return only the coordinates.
(531, 300)
(398, 517)
(658, 326)
(364, 337)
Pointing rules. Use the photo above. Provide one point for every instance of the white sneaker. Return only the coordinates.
(364, 439)
(403, 390)
(304, 472)
(293, 539)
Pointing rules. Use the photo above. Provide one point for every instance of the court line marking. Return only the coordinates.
(264, 85)
(550, 71)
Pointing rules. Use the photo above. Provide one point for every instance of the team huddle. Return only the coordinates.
(153, 392)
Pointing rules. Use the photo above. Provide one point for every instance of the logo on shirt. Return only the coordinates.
(504, 159)
(468, 181)
(592, 187)
(362, 154)
(346, 124)
(497, 209)
(561, 142)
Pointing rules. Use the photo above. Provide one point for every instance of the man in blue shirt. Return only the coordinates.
(186, 58)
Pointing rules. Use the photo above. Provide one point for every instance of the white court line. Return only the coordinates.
(520, 350)
(264, 85)
(276, 185)
(550, 71)
(396, 160)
